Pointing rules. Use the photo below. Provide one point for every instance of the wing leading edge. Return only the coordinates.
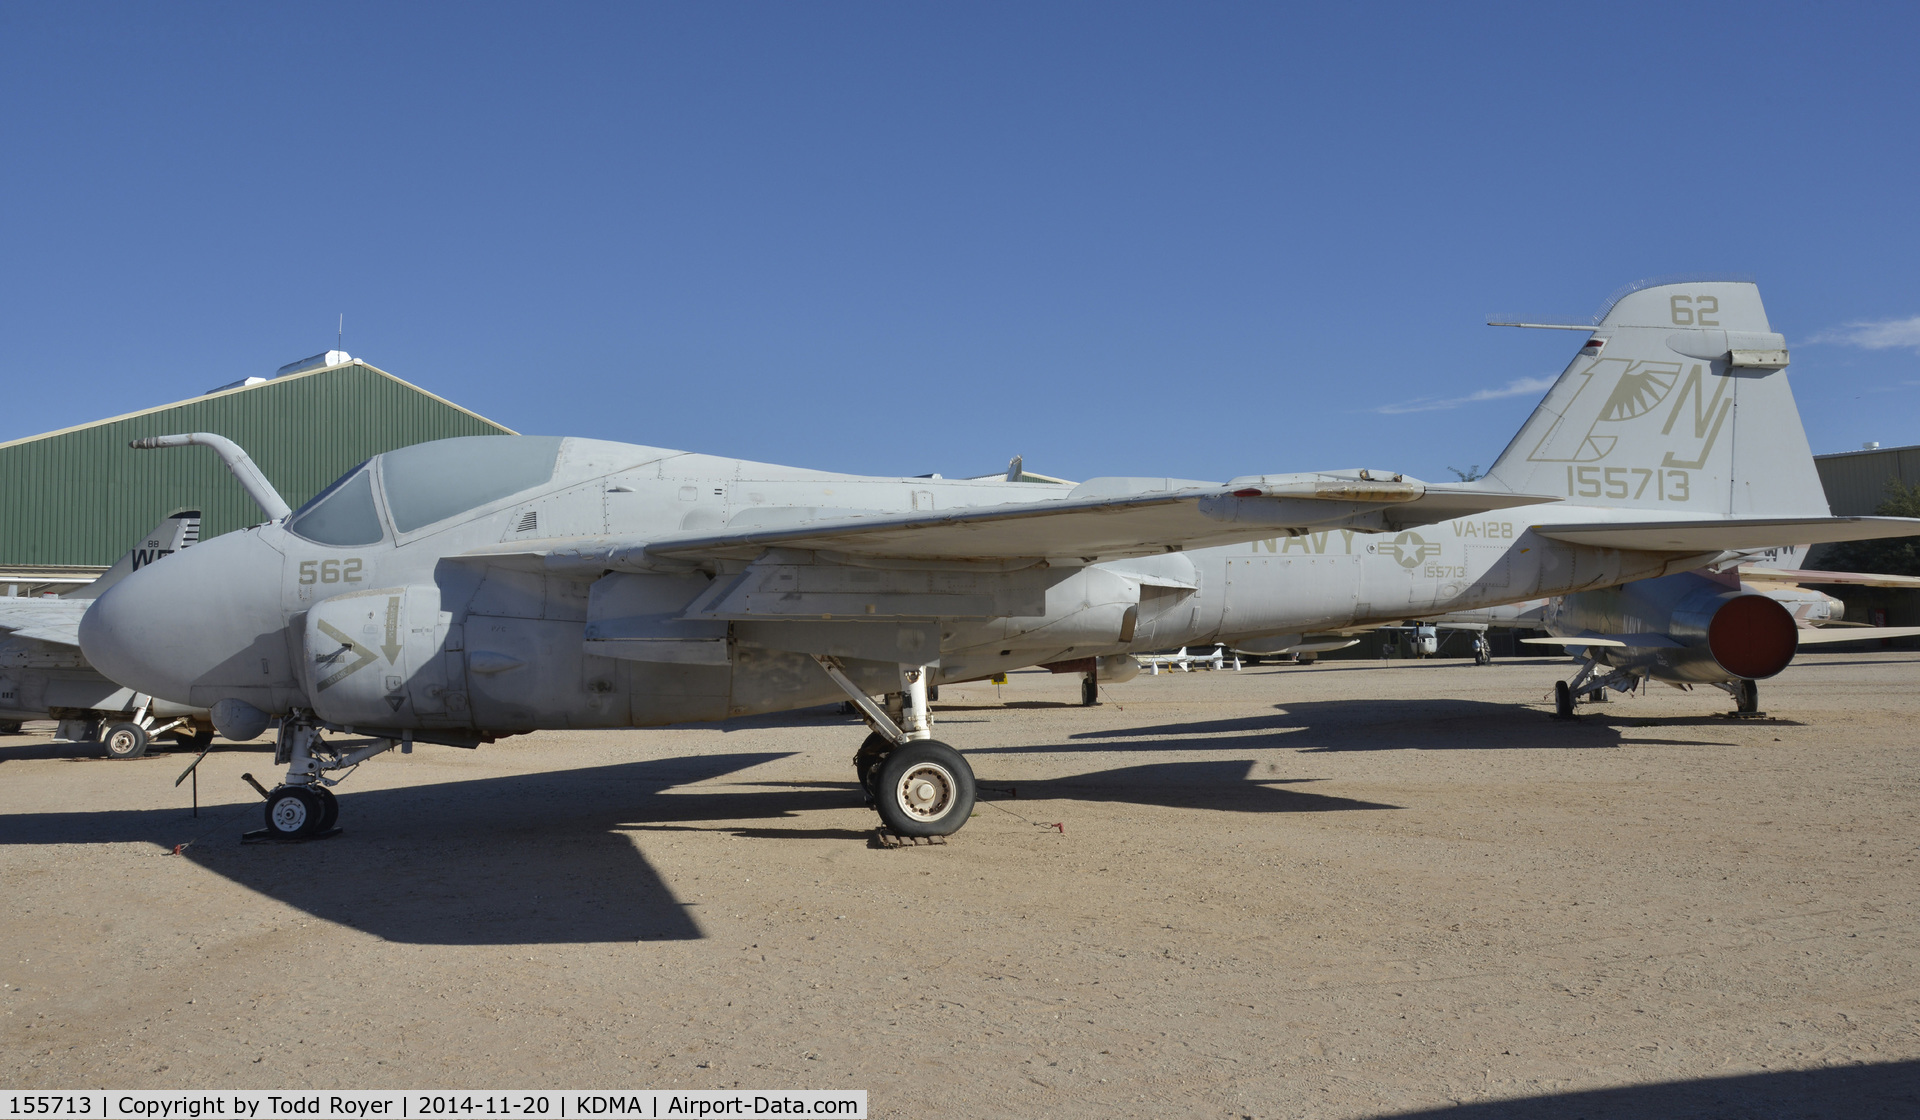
(1088, 525)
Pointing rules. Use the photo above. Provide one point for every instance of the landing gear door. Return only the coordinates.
(373, 659)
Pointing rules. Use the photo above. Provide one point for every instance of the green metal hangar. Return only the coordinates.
(73, 501)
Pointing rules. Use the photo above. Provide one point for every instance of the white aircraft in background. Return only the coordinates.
(44, 676)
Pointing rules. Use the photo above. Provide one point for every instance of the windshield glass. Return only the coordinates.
(341, 514)
(431, 482)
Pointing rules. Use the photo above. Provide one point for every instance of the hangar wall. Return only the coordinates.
(81, 496)
(1856, 481)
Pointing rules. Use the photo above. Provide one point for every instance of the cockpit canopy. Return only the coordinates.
(423, 485)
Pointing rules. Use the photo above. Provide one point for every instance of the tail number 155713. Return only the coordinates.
(1629, 483)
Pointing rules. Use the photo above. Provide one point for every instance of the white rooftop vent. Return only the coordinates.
(1870, 445)
(318, 361)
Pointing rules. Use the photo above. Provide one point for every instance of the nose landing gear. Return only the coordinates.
(303, 807)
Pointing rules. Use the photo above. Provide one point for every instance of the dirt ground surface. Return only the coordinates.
(1353, 889)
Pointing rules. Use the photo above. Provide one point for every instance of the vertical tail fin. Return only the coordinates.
(1678, 402)
(175, 532)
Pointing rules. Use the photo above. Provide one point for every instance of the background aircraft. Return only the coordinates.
(44, 676)
(461, 590)
(1730, 626)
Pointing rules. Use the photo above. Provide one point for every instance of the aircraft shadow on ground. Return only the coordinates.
(1233, 786)
(546, 858)
(1373, 725)
(536, 858)
(25, 748)
(1862, 1092)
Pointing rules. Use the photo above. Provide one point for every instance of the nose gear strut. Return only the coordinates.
(303, 807)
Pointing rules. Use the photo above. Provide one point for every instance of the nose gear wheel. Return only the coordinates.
(294, 813)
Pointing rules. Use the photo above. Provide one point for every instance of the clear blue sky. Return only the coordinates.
(1190, 239)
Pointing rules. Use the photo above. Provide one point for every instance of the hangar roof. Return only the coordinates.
(81, 496)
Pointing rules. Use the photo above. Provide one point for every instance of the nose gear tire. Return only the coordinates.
(925, 789)
(329, 807)
(294, 813)
(124, 740)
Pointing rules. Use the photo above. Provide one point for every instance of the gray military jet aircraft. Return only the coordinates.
(43, 675)
(457, 591)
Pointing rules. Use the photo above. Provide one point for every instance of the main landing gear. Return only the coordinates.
(1584, 689)
(919, 785)
(303, 807)
(1746, 698)
(131, 738)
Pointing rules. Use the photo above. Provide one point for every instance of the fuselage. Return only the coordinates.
(476, 618)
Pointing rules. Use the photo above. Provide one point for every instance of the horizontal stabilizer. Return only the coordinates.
(1727, 534)
(1829, 635)
(1802, 575)
(1618, 641)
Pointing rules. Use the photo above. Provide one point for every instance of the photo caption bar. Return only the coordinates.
(417, 1104)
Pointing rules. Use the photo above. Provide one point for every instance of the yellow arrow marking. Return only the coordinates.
(392, 646)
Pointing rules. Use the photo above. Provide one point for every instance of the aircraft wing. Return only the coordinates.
(1091, 525)
(1801, 575)
(1728, 534)
(46, 620)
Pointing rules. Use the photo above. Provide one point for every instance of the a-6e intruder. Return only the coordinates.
(457, 591)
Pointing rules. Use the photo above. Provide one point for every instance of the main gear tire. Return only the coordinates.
(125, 740)
(1747, 699)
(867, 761)
(294, 813)
(926, 788)
(1089, 691)
(1562, 700)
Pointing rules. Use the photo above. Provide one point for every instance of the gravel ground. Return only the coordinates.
(1352, 889)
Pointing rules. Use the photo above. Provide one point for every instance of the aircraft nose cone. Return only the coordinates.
(195, 627)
